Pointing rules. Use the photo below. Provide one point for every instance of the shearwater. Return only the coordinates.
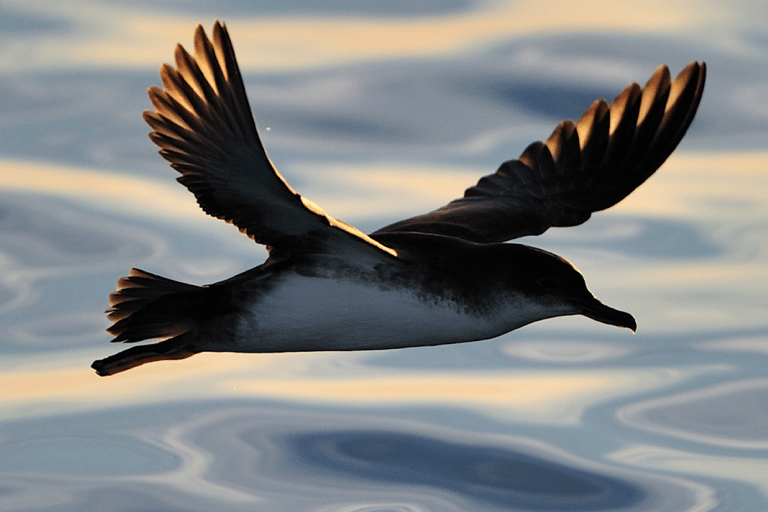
(442, 277)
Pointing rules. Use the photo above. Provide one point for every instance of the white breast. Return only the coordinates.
(313, 314)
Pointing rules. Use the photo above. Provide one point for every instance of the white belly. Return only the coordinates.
(311, 314)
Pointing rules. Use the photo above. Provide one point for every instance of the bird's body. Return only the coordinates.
(348, 310)
(443, 277)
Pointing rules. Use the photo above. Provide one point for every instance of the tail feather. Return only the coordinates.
(146, 306)
(134, 320)
(171, 349)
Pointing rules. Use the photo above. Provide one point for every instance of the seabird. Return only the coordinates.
(442, 277)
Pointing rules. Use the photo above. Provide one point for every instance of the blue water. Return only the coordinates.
(377, 112)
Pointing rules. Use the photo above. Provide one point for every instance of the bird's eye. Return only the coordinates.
(548, 283)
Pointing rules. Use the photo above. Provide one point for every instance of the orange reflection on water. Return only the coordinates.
(349, 190)
(288, 42)
(104, 189)
(137, 38)
(538, 397)
(556, 398)
(702, 186)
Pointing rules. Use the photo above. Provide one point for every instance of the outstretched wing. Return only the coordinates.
(582, 168)
(204, 127)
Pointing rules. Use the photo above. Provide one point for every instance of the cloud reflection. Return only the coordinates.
(140, 38)
(552, 398)
(213, 456)
(494, 474)
(107, 190)
(753, 470)
(730, 415)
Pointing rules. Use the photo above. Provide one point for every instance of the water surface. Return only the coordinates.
(377, 113)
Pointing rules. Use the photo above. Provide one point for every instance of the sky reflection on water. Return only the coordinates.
(241, 456)
(377, 113)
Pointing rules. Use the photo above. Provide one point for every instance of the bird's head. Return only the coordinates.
(554, 287)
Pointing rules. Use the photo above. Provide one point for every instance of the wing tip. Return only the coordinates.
(621, 143)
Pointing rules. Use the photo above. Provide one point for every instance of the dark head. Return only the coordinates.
(548, 281)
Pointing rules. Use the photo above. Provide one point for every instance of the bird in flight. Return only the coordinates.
(442, 277)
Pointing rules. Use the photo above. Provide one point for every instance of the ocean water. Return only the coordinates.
(377, 111)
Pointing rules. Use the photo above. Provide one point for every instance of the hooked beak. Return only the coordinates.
(596, 310)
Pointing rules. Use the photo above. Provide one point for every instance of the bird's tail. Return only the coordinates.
(146, 306)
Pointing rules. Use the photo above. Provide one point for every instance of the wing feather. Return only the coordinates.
(204, 127)
(582, 168)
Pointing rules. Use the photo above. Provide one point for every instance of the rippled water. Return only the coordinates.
(377, 112)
